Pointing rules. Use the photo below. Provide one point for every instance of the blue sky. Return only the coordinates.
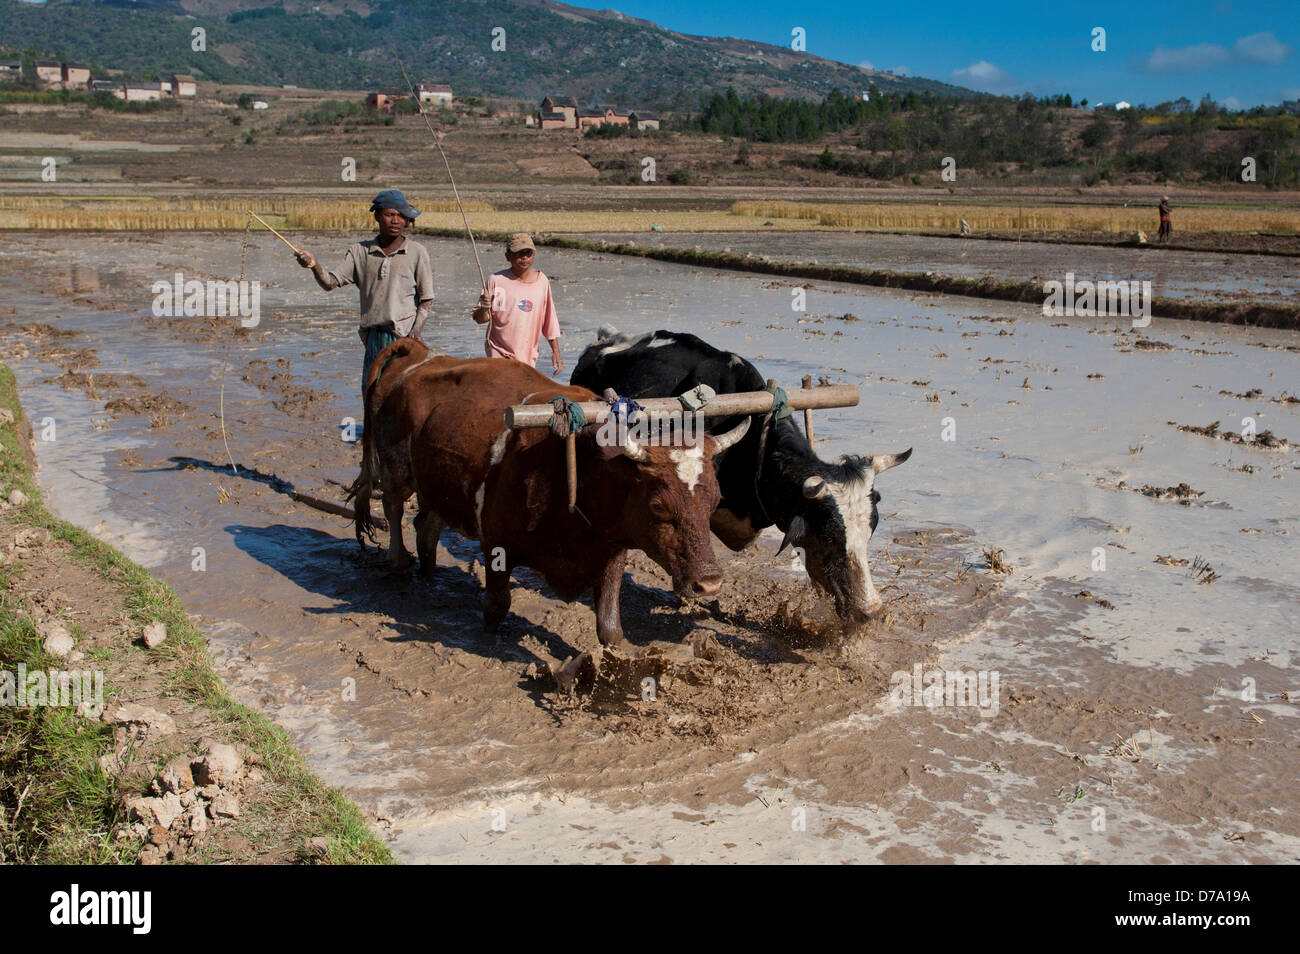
(1242, 52)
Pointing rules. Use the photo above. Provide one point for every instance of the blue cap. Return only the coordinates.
(392, 199)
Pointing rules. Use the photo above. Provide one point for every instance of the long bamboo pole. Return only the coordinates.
(274, 232)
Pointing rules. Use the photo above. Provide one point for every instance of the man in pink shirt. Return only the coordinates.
(518, 303)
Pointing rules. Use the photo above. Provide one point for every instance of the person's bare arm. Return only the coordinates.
(323, 278)
(482, 312)
(421, 316)
(557, 360)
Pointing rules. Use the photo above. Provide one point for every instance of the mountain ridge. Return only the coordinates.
(345, 44)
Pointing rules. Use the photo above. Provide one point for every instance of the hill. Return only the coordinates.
(348, 44)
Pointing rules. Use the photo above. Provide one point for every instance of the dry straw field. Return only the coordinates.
(136, 213)
(145, 214)
(1006, 218)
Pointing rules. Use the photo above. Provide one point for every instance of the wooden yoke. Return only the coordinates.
(520, 416)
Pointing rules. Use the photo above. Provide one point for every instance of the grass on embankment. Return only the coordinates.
(57, 804)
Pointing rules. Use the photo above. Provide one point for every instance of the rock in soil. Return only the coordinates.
(220, 764)
(154, 634)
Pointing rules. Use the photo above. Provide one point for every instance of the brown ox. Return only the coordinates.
(435, 426)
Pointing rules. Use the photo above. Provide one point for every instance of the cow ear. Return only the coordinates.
(793, 535)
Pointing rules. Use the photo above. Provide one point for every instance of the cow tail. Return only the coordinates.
(359, 490)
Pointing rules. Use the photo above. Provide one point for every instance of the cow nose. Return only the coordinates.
(706, 585)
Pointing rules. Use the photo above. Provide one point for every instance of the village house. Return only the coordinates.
(75, 75)
(143, 92)
(562, 112)
(643, 119)
(439, 93)
(550, 119)
(184, 85)
(11, 71)
(383, 101)
(116, 87)
(564, 106)
(600, 116)
(49, 73)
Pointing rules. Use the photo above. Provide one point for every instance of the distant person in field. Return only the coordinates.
(391, 272)
(1166, 220)
(518, 302)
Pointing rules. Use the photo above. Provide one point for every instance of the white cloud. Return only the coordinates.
(1260, 48)
(986, 76)
(1254, 49)
(1231, 102)
(1290, 93)
(865, 65)
(1184, 59)
(900, 71)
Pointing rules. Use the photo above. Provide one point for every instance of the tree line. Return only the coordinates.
(900, 134)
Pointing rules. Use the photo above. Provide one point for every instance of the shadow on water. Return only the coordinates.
(445, 607)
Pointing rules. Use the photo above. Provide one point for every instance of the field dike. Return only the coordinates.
(147, 758)
(1255, 314)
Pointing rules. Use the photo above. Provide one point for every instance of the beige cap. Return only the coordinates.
(518, 242)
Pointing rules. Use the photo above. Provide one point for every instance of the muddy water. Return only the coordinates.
(1196, 275)
(1030, 436)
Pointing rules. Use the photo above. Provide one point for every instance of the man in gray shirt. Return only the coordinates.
(392, 273)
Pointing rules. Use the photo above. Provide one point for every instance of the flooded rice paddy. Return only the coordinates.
(1123, 672)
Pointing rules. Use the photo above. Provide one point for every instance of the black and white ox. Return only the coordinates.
(829, 510)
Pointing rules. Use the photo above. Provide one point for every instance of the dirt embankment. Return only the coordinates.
(1257, 314)
(146, 759)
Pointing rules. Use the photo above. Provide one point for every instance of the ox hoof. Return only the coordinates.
(401, 565)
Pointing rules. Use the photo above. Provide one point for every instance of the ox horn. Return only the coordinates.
(814, 488)
(882, 462)
(793, 534)
(632, 451)
(732, 437)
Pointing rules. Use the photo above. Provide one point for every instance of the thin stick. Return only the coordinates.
(225, 362)
(274, 232)
(571, 468)
(454, 191)
(807, 412)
